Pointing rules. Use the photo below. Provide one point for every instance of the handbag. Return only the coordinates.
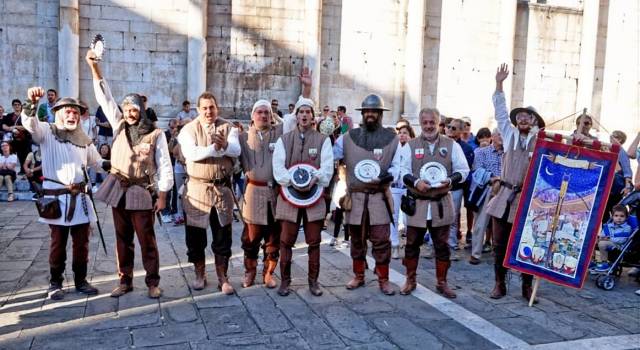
(48, 208)
(408, 204)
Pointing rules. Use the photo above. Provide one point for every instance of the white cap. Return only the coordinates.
(260, 103)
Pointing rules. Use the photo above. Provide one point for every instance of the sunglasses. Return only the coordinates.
(452, 127)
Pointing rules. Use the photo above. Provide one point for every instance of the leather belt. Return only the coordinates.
(72, 190)
(126, 182)
(436, 199)
(515, 190)
(258, 183)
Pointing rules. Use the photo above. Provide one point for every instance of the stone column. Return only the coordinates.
(506, 40)
(590, 13)
(196, 49)
(414, 62)
(312, 44)
(69, 49)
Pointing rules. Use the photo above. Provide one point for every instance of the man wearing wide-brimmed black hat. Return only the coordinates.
(518, 129)
(139, 154)
(66, 149)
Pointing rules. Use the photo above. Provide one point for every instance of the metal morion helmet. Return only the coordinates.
(372, 101)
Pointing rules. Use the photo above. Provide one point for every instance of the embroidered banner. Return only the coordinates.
(560, 210)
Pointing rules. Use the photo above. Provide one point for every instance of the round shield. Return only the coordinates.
(367, 170)
(433, 173)
(301, 175)
(97, 45)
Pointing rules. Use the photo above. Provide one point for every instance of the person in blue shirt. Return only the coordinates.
(614, 235)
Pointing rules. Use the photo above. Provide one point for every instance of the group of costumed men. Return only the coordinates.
(140, 176)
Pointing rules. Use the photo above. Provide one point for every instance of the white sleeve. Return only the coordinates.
(94, 159)
(326, 164)
(233, 145)
(289, 123)
(459, 161)
(107, 102)
(193, 152)
(502, 117)
(280, 173)
(338, 148)
(36, 128)
(163, 163)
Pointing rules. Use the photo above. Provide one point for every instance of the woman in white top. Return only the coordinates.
(8, 165)
(398, 189)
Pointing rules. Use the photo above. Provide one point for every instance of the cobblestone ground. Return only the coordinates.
(258, 318)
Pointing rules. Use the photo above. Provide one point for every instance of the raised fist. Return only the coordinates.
(35, 93)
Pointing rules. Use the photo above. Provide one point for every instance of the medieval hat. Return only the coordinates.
(529, 110)
(68, 102)
(372, 101)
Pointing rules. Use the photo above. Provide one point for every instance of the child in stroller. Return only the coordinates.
(620, 242)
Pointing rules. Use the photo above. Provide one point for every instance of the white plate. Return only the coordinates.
(433, 173)
(301, 174)
(367, 170)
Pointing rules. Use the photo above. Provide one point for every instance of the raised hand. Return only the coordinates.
(91, 57)
(305, 76)
(35, 93)
(502, 73)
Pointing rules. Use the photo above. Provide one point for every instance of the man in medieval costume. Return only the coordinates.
(139, 154)
(209, 143)
(302, 145)
(519, 129)
(432, 202)
(258, 211)
(368, 202)
(66, 152)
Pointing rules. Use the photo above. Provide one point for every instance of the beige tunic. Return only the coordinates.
(200, 193)
(296, 153)
(445, 201)
(256, 161)
(514, 169)
(378, 214)
(137, 165)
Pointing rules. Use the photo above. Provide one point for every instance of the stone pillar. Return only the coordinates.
(590, 13)
(69, 49)
(312, 44)
(196, 49)
(414, 62)
(506, 40)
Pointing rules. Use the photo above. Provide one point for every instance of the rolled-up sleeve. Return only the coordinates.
(163, 163)
(280, 173)
(325, 173)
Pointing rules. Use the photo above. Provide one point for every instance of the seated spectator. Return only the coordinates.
(186, 112)
(614, 234)
(8, 165)
(44, 111)
(33, 167)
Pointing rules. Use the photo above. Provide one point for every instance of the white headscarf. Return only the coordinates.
(260, 103)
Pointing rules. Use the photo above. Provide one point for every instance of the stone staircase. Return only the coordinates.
(21, 190)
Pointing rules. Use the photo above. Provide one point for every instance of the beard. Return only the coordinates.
(371, 124)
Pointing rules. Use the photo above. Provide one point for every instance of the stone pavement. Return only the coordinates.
(258, 318)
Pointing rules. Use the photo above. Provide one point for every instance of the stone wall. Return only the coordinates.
(256, 48)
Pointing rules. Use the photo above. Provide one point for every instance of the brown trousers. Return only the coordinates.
(501, 232)
(377, 234)
(127, 222)
(58, 251)
(252, 235)
(415, 238)
(312, 236)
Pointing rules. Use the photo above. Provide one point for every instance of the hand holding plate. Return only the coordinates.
(422, 186)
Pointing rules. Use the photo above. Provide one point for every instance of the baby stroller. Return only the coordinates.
(628, 255)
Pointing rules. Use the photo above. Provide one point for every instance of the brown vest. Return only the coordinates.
(137, 165)
(442, 213)
(200, 194)
(514, 170)
(296, 153)
(375, 196)
(256, 160)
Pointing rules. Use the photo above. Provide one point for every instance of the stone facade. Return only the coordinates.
(256, 48)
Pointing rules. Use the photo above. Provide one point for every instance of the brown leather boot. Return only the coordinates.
(410, 283)
(500, 289)
(222, 264)
(441, 276)
(527, 288)
(383, 280)
(250, 266)
(201, 277)
(285, 271)
(359, 267)
(314, 270)
(267, 273)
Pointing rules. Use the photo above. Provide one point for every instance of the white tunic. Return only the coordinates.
(63, 162)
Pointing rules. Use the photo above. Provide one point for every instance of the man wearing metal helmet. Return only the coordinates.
(302, 145)
(66, 150)
(139, 153)
(518, 129)
(369, 212)
(258, 210)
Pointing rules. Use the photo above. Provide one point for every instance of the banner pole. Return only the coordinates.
(536, 283)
